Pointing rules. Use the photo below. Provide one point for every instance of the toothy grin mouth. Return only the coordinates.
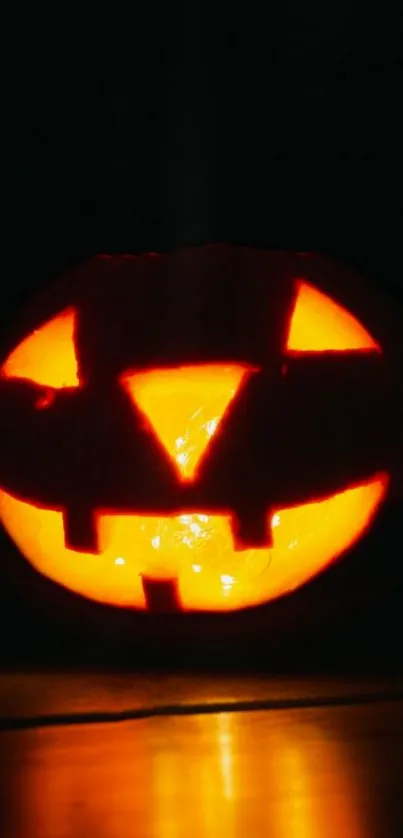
(193, 550)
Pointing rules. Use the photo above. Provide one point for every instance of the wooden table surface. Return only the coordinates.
(300, 772)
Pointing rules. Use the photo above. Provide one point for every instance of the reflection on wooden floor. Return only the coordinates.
(323, 773)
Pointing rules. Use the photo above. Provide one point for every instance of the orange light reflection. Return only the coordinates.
(295, 774)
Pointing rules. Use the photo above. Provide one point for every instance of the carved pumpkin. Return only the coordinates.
(198, 431)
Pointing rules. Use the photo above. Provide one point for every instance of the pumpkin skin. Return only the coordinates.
(308, 402)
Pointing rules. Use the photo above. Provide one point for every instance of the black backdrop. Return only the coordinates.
(182, 126)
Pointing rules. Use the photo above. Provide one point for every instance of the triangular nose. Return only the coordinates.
(185, 406)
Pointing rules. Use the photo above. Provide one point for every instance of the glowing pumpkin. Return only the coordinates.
(193, 431)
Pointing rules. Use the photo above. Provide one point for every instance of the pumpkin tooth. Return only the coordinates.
(252, 528)
(161, 595)
(80, 530)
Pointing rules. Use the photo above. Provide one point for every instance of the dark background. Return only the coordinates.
(181, 127)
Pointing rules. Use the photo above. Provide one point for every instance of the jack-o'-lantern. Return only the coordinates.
(194, 431)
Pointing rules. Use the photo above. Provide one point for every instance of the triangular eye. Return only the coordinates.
(184, 406)
(319, 324)
(47, 357)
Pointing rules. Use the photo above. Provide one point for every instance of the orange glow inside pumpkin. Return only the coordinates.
(195, 548)
(47, 356)
(319, 324)
(184, 407)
